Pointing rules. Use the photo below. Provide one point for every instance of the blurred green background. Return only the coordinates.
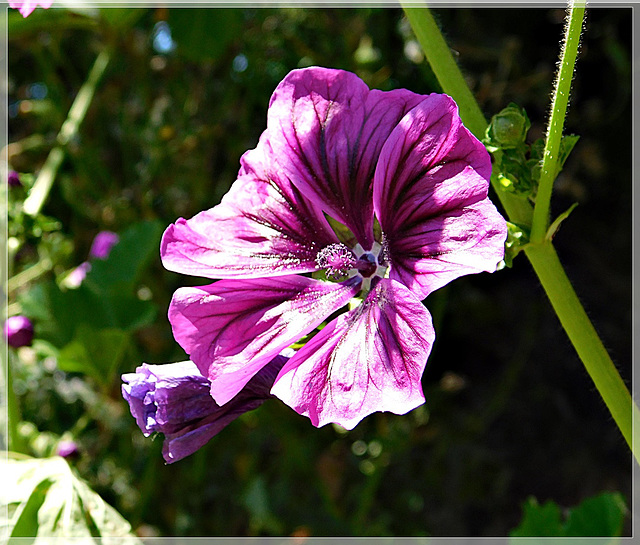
(510, 411)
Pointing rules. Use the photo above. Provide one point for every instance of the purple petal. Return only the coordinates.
(368, 360)
(430, 196)
(102, 244)
(435, 252)
(264, 226)
(232, 328)
(327, 129)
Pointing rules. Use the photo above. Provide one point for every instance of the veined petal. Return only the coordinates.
(430, 196)
(368, 360)
(435, 252)
(326, 129)
(264, 226)
(232, 328)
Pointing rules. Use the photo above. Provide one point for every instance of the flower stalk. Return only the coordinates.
(562, 88)
(540, 252)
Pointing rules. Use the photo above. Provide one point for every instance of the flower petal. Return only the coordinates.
(368, 360)
(232, 328)
(326, 129)
(435, 252)
(430, 196)
(264, 226)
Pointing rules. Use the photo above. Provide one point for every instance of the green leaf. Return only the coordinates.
(45, 499)
(128, 259)
(600, 516)
(204, 34)
(95, 352)
(539, 520)
(566, 146)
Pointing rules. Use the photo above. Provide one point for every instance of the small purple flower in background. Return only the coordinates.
(67, 448)
(101, 247)
(174, 399)
(18, 331)
(383, 192)
(102, 244)
(26, 7)
(13, 179)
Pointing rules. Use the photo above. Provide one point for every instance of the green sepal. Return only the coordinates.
(553, 228)
(517, 239)
(343, 233)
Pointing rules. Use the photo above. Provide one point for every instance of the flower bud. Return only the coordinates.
(13, 179)
(508, 129)
(18, 331)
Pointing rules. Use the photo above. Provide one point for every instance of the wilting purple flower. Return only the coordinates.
(13, 179)
(102, 244)
(27, 6)
(67, 448)
(18, 331)
(405, 185)
(174, 399)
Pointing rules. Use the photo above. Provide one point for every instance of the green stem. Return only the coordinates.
(584, 338)
(42, 186)
(542, 255)
(562, 88)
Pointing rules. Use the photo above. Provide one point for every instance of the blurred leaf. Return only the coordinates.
(44, 499)
(127, 260)
(95, 352)
(539, 520)
(602, 515)
(202, 34)
(121, 18)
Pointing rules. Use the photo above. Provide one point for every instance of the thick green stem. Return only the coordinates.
(542, 255)
(559, 104)
(583, 336)
(42, 186)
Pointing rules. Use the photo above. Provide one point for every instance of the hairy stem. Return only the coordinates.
(559, 104)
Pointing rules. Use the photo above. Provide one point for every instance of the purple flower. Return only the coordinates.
(102, 244)
(27, 6)
(174, 399)
(67, 448)
(13, 179)
(76, 277)
(18, 331)
(383, 192)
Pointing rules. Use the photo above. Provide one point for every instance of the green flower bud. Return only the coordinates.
(508, 129)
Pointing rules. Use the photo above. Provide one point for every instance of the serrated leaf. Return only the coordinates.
(45, 499)
(539, 520)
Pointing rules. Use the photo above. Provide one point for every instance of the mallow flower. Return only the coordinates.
(355, 197)
(174, 399)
